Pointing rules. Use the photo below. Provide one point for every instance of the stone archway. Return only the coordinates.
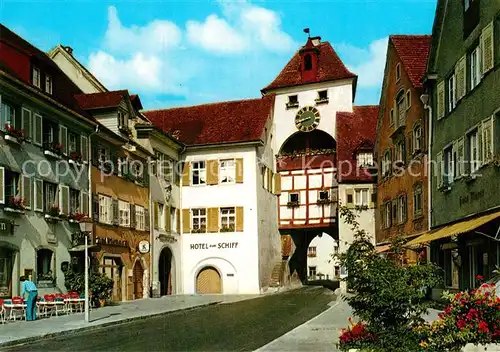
(165, 271)
(208, 281)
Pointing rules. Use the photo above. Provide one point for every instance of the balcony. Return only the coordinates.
(15, 205)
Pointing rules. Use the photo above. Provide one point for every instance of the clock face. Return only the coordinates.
(307, 119)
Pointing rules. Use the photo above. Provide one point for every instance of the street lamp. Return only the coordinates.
(86, 228)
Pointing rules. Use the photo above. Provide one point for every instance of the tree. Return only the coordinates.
(389, 297)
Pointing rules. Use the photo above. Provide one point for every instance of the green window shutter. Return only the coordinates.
(64, 199)
(27, 123)
(95, 207)
(38, 206)
(2, 184)
(84, 148)
(37, 129)
(440, 100)
(26, 191)
(439, 169)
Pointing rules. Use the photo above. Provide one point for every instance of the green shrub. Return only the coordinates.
(100, 285)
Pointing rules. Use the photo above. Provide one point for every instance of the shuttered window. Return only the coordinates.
(133, 216)
(487, 48)
(439, 171)
(37, 129)
(212, 172)
(2, 185)
(440, 100)
(84, 148)
(64, 199)
(38, 199)
(140, 221)
(239, 170)
(461, 78)
(487, 140)
(26, 191)
(213, 219)
(240, 225)
(227, 219)
(84, 203)
(27, 123)
(199, 220)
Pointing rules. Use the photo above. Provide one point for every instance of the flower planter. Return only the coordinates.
(74, 162)
(13, 210)
(51, 154)
(53, 218)
(12, 139)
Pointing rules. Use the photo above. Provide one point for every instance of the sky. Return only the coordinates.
(180, 53)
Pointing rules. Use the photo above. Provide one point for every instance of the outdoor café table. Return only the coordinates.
(11, 306)
(72, 302)
(58, 305)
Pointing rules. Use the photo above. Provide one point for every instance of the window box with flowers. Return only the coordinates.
(77, 217)
(15, 205)
(75, 158)
(14, 135)
(293, 204)
(325, 201)
(54, 213)
(53, 149)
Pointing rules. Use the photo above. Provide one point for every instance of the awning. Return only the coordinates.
(382, 248)
(455, 229)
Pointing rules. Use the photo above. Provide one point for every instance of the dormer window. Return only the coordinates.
(365, 159)
(121, 118)
(307, 62)
(322, 96)
(48, 84)
(36, 77)
(293, 101)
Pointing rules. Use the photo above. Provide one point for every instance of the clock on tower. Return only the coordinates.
(307, 119)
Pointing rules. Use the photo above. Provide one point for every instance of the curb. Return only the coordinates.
(25, 340)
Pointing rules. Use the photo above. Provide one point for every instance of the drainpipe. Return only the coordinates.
(151, 230)
(425, 100)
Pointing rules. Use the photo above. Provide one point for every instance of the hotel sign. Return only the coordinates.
(220, 245)
(6, 227)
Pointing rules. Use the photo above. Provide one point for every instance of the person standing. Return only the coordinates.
(30, 288)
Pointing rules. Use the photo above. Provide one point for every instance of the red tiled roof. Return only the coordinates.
(330, 68)
(224, 122)
(413, 51)
(101, 100)
(355, 131)
(18, 55)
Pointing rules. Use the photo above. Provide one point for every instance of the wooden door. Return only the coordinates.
(208, 281)
(138, 277)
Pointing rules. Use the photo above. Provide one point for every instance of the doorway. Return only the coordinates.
(113, 268)
(208, 281)
(138, 274)
(6, 260)
(165, 271)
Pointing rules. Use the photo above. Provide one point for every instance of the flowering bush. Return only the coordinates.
(470, 317)
(17, 203)
(78, 216)
(14, 132)
(355, 336)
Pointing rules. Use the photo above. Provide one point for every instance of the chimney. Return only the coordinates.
(316, 40)
(68, 49)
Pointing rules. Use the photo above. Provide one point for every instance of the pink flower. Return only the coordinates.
(483, 326)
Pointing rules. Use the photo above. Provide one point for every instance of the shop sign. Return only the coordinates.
(471, 197)
(6, 227)
(220, 245)
(144, 247)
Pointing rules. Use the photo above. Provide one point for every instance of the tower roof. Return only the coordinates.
(330, 68)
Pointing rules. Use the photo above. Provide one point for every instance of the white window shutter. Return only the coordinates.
(461, 78)
(26, 191)
(2, 185)
(84, 148)
(480, 145)
(487, 48)
(37, 129)
(38, 195)
(440, 100)
(26, 122)
(63, 138)
(487, 128)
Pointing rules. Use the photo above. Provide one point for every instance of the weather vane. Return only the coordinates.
(306, 30)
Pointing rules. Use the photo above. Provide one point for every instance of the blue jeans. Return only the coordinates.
(31, 306)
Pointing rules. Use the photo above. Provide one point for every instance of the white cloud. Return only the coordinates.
(215, 34)
(245, 27)
(367, 63)
(156, 36)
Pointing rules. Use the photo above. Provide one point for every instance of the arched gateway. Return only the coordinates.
(208, 281)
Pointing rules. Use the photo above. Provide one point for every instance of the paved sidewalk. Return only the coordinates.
(320, 333)
(23, 331)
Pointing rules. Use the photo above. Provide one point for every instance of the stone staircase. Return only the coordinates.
(278, 274)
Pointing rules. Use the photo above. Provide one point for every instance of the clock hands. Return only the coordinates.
(305, 119)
